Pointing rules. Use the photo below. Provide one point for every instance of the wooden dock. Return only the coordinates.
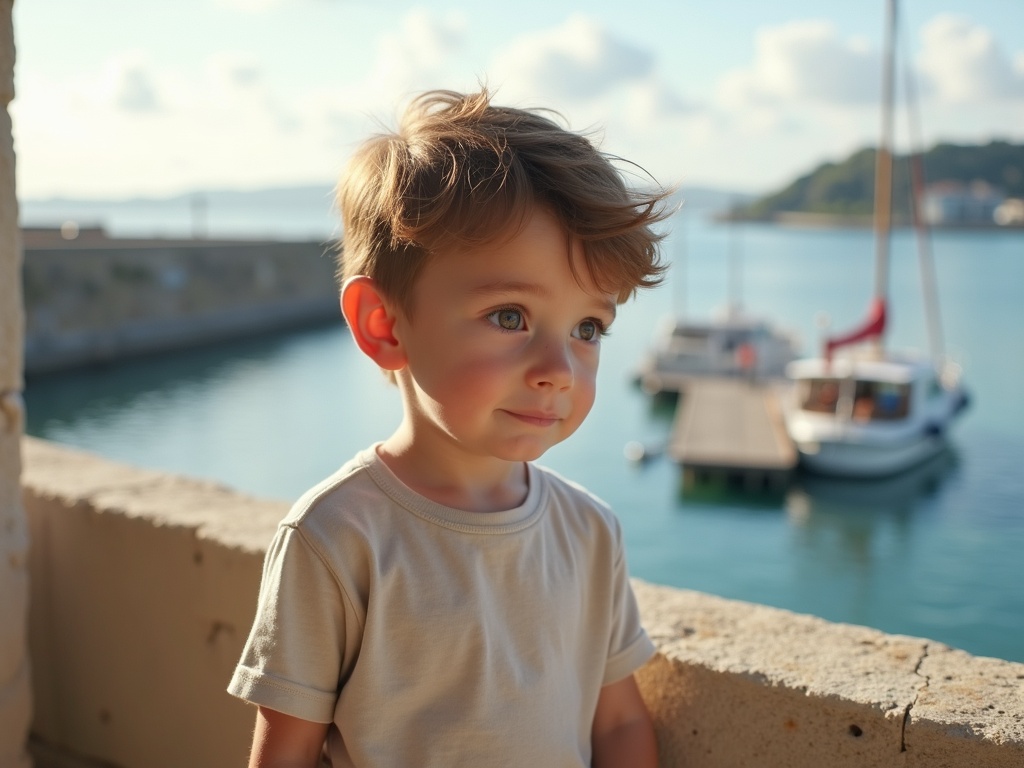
(730, 431)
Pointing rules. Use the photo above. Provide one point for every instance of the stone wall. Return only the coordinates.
(15, 705)
(95, 299)
(144, 587)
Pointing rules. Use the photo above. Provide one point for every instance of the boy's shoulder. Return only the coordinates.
(573, 494)
(345, 488)
(561, 483)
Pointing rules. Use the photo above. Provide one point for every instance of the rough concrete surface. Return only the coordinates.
(11, 315)
(209, 510)
(971, 711)
(795, 690)
(143, 589)
(15, 687)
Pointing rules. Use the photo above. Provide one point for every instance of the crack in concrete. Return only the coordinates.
(910, 706)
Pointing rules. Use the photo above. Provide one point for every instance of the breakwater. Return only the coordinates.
(95, 299)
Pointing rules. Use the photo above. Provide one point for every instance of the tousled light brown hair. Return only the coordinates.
(461, 172)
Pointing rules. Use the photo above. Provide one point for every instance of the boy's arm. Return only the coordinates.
(283, 741)
(622, 733)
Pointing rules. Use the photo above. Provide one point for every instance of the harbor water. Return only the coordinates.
(937, 552)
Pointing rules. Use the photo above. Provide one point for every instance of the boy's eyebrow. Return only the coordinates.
(499, 287)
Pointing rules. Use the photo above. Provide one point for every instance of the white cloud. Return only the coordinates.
(131, 127)
(804, 61)
(136, 92)
(415, 55)
(655, 100)
(807, 92)
(962, 63)
(125, 82)
(144, 130)
(575, 61)
(234, 71)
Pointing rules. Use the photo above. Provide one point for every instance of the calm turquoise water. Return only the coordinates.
(937, 553)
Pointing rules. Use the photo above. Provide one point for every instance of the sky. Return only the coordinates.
(120, 98)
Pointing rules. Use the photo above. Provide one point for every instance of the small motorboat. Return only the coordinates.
(733, 345)
(871, 417)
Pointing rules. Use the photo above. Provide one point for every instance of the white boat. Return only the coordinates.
(872, 412)
(730, 343)
(869, 417)
(733, 345)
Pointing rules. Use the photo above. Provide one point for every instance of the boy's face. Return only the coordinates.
(502, 345)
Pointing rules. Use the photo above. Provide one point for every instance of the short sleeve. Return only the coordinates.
(629, 646)
(293, 659)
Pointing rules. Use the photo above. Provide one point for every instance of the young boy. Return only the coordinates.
(440, 600)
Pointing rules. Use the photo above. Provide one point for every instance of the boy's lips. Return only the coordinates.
(536, 418)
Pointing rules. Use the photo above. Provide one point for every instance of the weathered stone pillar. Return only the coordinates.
(15, 704)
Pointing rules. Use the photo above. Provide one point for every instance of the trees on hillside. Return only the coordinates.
(847, 188)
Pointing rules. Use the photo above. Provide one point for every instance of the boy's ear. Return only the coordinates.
(371, 320)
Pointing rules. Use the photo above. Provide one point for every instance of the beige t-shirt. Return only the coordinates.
(431, 636)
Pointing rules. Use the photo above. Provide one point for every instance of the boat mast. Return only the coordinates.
(917, 190)
(873, 328)
(883, 168)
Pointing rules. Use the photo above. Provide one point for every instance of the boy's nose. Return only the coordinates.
(553, 367)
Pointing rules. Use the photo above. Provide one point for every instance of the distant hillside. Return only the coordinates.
(847, 188)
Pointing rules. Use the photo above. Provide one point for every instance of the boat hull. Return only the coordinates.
(875, 459)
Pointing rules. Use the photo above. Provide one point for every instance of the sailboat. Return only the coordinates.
(861, 410)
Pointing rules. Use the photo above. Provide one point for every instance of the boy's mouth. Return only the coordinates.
(536, 418)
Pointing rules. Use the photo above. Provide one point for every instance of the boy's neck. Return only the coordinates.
(486, 484)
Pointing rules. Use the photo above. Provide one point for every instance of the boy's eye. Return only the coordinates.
(588, 330)
(508, 319)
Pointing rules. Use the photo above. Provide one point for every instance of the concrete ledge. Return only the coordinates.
(142, 593)
(143, 587)
(738, 684)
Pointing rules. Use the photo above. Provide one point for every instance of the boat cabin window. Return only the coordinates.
(819, 395)
(880, 401)
(871, 400)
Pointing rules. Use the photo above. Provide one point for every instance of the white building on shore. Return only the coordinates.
(953, 203)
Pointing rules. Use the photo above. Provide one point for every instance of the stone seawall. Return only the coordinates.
(144, 586)
(97, 299)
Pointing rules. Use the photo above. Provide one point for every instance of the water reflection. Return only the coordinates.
(814, 499)
(854, 514)
(58, 401)
(736, 490)
(858, 540)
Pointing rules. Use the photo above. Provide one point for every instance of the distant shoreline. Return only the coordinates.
(842, 221)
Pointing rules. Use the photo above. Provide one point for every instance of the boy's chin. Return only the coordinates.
(529, 451)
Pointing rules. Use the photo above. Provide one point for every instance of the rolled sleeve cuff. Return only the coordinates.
(284, 696)
(627, 661)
